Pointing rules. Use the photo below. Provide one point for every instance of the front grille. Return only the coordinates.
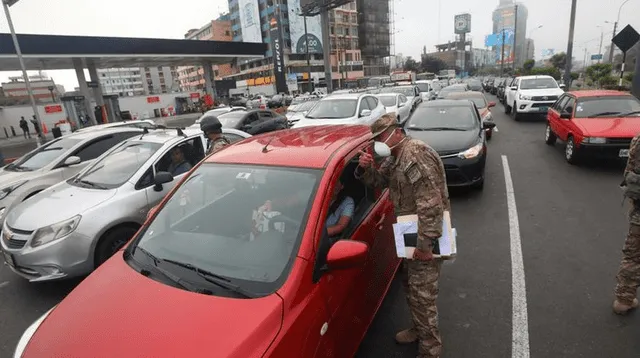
(544, 98)
(622, 141)
(15, 243)
(538, 105)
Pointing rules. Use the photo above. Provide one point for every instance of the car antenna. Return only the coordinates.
(144, 131)
(180, 132)
(265, 149)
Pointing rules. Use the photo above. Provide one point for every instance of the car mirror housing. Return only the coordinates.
(347, 254)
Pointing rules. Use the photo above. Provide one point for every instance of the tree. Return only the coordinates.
(559, 60)
(410, 64)
(432, 64)
(599, 72)
(528, 65)
(628, 76)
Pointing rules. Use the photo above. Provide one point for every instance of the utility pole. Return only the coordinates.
(584, 63)
(572, 25)
(306, 41)
(615, 28)
(502, 50)
(600, 48)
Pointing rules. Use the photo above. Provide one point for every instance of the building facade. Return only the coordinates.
(375, 39)
(191, 78)
(45, 90)
(138, 81)
(530, 50)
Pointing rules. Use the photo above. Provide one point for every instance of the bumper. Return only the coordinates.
(533, 107)
(67, 257)
(606, 151)
(464, 172)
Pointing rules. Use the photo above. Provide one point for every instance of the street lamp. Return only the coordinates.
(5, 5)
(529, 37)
(615, 28)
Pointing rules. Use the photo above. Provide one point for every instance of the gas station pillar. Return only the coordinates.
(84, 89)
(209, 79)
(97, 91)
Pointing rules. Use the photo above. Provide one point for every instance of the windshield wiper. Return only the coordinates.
(438, 129)
(18, 168)
(91, 184)
(603, 114)
(211, 277)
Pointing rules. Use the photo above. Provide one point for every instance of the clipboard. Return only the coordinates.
(405, 232)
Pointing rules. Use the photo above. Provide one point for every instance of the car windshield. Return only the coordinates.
(407, 91)
(430, 117)
(44, 155)
(423, 87)
(219, 220)
(231, 119)
(334, 108)
(538, 83)
(613, 105)
(388, 100)
(119, 166)
(304, 106)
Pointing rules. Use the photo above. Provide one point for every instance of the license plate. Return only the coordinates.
(544, 109)
(8, 258)
(624, 153)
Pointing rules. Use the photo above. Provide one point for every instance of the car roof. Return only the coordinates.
(306, 147)
(344, 96)
(164, 135)
(598, 93)
(534, 77)
(447, 103)
(115, 124)
(466, 94)
(103, 131)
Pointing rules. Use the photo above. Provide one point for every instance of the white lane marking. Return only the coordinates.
(519, 323)
(3, 284)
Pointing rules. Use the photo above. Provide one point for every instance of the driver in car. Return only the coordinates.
(179, 164)
(340, 211)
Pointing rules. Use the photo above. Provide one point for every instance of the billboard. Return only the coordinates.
(506, 20)
(296, 30)
(462, 24)
(250, 21)
(277, 48)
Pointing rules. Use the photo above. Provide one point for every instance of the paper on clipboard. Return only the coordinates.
(405, 232)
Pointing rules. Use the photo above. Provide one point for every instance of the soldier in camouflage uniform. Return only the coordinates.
(629, 273)
(212, 129)
(417, 185)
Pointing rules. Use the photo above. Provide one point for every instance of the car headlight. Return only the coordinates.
(54, 232)
(472, 152)
(594, 140)
(524, 98)
(10, 188)
(28, 334)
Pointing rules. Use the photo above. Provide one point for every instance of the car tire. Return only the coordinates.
(514, 112)
(507, 109)
(112, 241)
(571, 154)
(549, 137)
(489, 134)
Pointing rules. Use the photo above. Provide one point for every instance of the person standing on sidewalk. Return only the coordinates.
(628, 277)
(416, 180)
(34, 121)
(25, 127)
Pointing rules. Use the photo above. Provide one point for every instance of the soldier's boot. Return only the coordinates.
(407, 336)
(621, 308)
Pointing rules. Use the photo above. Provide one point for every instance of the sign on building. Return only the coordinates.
(296, 30)
(277, 48)
(462, 23)
(250, 21)
(596, 57)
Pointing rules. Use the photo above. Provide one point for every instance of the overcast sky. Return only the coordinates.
(417, 22)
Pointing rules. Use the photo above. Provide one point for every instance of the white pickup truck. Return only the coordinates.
(531, 95)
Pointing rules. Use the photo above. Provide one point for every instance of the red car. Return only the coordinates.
(594, 124)
(236, 261)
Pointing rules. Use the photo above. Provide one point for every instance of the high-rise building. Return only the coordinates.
(530, 50)
(375, 38)
(504, 18)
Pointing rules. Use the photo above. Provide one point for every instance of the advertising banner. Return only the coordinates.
(277, 48)
(250, 21)
(507, 23)
(296, 29)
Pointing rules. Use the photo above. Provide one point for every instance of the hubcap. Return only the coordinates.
(547, 133)
(569, 149)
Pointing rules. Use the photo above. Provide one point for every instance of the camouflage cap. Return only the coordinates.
(383, 123)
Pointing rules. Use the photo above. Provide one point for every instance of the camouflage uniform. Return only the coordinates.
(217, 144)
(629, 273)
(417, 185)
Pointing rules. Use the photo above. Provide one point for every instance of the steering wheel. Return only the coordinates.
(285, 219)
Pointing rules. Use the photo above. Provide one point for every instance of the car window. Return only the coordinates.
(363, 105)
(373, 102)
(334, 108)
(43, 155)
(231, 119)
(266, 115)
(423, 87)
(556, 105)
(403, 99)
(218, 220)
(118, 166)
(463, 117)
(253, 117)
(180, 158)
(538, 83)
(388, 101)
(570, 106)
(561, 103)
(99, 146)
(610, 105)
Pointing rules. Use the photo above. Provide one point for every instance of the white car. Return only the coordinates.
(348, 108)
(396, 103)
(297, 112)
(144, 123)
(426, 89)
(411, 92)
(220, 110)
(531, 95)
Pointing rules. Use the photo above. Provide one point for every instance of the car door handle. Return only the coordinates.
(381, 221)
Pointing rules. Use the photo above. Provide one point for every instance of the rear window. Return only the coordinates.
(388, 101)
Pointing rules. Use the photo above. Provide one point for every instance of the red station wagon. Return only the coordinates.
(210, 275)
(594, 123)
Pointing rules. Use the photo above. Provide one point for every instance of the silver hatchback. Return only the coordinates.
(71, 228)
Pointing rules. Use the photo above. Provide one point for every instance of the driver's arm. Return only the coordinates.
(346, 207)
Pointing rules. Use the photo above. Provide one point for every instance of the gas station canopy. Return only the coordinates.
(55, 52)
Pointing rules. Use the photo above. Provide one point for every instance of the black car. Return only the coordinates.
(455, 130)
(254, 121)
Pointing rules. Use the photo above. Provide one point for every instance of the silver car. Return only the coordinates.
(396, 103)
(53, 162)
(71, 228)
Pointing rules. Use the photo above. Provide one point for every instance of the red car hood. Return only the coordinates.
(117, 312)
(621, 127)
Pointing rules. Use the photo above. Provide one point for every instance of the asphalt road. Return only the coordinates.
(571, 226)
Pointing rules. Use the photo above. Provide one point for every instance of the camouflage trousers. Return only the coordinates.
(629, 273)
(420, 280)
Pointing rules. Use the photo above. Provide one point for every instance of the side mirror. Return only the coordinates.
(72, 160)
(347, 254)
(514, 88)
(562, 86)
(565, 115)
(161, 178)
(402, 104)
(381, 150)
(492, 104)
(488, 125)
(365, 113)
(152, 211)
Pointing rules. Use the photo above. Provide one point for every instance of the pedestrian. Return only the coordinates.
(212, 129)
(34, 121)
(628, 277)
(25, 127)
(416, 180)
